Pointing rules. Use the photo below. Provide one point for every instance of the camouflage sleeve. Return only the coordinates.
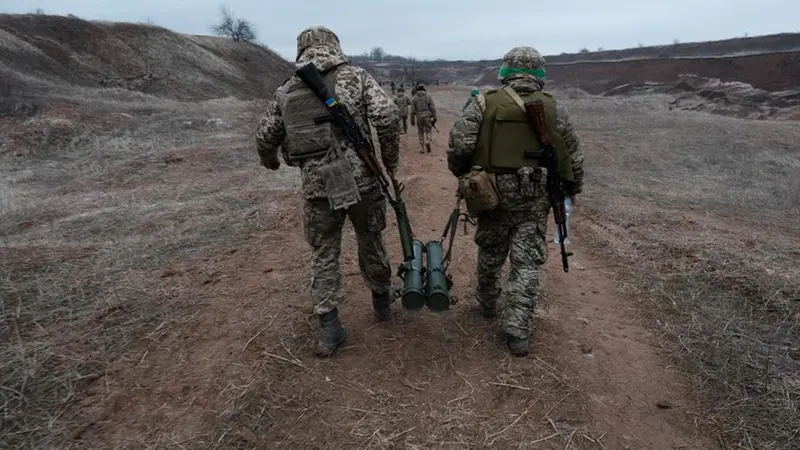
(382, 112)
(565, 128)
(271, 133)
(464, 137)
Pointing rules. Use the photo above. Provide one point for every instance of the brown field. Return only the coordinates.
(155, 296)
(698, 216)
(154, 282)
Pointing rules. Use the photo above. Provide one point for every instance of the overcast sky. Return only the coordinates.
(455, 29)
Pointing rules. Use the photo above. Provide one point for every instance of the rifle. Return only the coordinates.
(555, 185)
(309, 75)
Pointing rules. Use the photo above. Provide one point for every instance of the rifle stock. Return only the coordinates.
(555, 186)
(311, 77)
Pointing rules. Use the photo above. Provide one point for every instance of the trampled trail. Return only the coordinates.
(239, 372)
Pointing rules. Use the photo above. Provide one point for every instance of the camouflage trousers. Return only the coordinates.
(323, 231)
(519, 236)
(404, 119)
(424, 129)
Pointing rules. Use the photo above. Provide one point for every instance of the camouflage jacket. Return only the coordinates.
(464, 137)
(402, 102)
(362, 95)
(422, 105)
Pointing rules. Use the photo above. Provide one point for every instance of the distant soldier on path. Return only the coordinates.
(403, 102)
(423, 112)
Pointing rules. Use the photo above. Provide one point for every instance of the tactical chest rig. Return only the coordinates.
(507, 142)
(516, 135)
(310, 134)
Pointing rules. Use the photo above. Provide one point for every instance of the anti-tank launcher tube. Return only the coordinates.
(437, 289)
(413, 274)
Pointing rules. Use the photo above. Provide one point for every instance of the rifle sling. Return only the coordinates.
(514, 96)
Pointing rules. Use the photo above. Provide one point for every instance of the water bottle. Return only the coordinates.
(568, 213)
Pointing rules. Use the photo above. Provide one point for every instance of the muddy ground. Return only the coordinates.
(155, 295)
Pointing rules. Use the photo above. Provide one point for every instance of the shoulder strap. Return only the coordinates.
(514, 96)
(330, 78)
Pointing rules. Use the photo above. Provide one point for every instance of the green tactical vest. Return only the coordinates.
(306, 136)
(506, 133)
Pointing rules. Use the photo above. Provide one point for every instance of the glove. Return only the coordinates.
(271, 164)
(433, 122)
(412, 121)
(391, 171)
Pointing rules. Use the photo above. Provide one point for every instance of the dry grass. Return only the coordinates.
(117, 328)
(149, 275)
(150, 278)
(94, 203)
(49, 53)
(701, 215)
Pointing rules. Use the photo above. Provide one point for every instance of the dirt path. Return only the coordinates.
(238, 371)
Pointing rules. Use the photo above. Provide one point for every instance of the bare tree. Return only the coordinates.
(236, 29)
(377, 54)
(584, 50)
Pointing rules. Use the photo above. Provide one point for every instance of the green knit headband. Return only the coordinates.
(506, 71)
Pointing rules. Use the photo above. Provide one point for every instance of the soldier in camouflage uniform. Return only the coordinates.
(473, 91)
(517, 229)
(423, 111)
(365, 99)
(402, 101)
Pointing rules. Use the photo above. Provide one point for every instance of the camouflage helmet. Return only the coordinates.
(318, 36)
(419, 87)
(522, 61)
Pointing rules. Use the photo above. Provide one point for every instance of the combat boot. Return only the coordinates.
(381, 305)
(487, 302)
(331, 334)
(518, 346)
(488, 311)
(428, 147)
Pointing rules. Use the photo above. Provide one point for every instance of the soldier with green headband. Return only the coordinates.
(491, 135)
(473, 91)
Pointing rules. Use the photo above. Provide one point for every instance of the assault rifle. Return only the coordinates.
(555, 185)
(309, 75)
